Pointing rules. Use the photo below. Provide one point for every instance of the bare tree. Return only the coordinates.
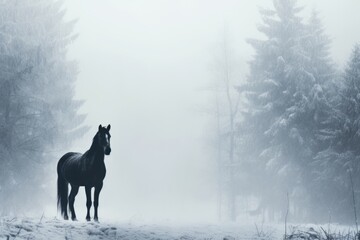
(227, 101)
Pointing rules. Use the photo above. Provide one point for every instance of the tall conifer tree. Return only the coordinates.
(37, 108)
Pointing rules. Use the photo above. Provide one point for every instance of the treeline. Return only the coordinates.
(297, 133)
(38, 113)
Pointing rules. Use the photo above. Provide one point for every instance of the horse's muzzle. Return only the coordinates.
(107, 151)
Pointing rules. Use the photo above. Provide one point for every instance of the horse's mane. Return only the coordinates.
(94, 142)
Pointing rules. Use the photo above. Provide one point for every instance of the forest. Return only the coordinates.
(286, 139)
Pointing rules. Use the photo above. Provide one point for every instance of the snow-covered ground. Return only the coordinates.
(45, 228)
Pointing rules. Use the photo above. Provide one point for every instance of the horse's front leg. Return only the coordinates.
(74, 191)
(88, 201)
(98, 188)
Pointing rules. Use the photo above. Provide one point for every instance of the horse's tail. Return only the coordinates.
(62, 190)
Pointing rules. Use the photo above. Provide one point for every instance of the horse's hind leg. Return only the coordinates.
(96, 200)
(74, 191)
(88, 201)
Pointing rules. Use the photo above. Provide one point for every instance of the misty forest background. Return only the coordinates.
(291, 129)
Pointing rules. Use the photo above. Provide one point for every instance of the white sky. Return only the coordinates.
(142, 64)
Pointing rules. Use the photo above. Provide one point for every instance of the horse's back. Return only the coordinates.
(69, 165)
(68, 157)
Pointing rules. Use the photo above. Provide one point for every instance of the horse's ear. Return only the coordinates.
(100, 127)
(108, 127)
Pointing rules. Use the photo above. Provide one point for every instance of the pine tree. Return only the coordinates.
(37, 108)
(287, 103)
(274, 92)
(335, 163)
(317, 119)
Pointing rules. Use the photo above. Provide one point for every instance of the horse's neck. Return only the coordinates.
(96, 154)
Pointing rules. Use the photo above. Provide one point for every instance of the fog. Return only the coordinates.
(145, 67)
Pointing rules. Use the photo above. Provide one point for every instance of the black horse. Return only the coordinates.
(87, 170)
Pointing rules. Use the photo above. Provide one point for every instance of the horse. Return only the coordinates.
(86, 170)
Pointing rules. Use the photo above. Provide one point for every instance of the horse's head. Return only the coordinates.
(104, 138)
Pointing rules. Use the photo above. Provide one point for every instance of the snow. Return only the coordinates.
(47, 228)
(44, 228)
(271, 82)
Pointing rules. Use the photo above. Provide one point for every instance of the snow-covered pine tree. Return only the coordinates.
(317, 119)
(285, 101)
(37, 106)
(274, 88)
(342, 156)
